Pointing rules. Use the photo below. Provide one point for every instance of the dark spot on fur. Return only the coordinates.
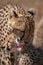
(3, 63)
(15, 14)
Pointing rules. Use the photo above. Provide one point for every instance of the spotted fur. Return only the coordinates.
(16, 34)
(25, 60)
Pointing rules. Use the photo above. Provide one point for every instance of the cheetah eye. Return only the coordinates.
(15, 14)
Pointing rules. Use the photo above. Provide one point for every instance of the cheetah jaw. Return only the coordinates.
(19, 45)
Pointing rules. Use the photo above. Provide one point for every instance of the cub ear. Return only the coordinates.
(32, 11)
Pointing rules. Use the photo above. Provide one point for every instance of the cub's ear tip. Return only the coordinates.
(32, 11)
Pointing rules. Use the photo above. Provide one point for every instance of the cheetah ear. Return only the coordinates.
(32, 11)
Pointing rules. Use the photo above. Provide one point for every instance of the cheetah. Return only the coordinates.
(25, 60)
(16, 34)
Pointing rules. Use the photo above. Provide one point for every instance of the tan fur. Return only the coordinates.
(17, 30)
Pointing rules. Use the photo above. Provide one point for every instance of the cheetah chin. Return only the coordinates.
(19, 45)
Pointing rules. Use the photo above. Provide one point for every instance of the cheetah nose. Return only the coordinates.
(18, 39)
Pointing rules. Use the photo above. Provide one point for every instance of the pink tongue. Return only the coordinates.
(18, 46)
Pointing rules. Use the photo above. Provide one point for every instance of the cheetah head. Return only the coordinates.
(23, 28)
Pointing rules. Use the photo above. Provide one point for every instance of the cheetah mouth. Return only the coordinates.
(19, 46)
